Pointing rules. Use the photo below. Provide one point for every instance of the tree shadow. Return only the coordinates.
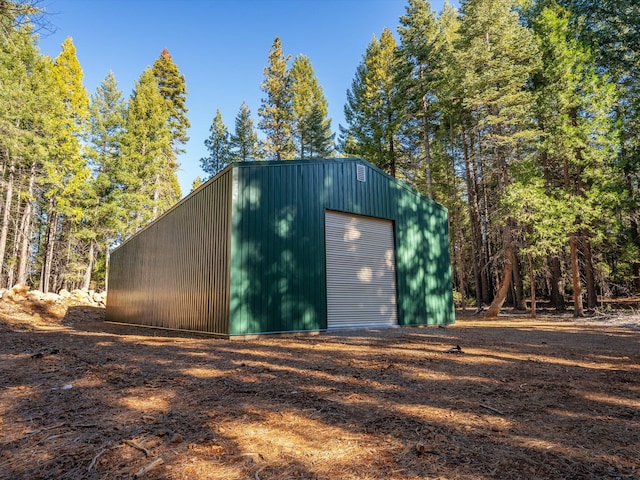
(390, 403)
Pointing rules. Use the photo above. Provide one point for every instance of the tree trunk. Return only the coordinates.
(483, 239)
(532, 280)
(557, 296)
(52, 226)
(106, 270)
(635, 232)
(474, 218)
(490, 275)
(156, 197)
(590, 279)
(25, 229)
(578, 310)
(392, 155)
(25, 233)
(488, 286)
(6, 216)
(11, 263)
(635, 237)
(462, 276)
(518, 287)
(427, 147)
(86, 283)
(507, 272)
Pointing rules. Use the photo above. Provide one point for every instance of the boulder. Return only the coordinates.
(20, 289)
(64, 293)
(35, 295)
(81, 296)
(50, 297)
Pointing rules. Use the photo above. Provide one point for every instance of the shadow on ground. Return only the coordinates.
(526, 399)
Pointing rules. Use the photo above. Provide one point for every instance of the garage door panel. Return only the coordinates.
(361, 271)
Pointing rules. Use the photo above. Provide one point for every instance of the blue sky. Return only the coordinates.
(221, 47)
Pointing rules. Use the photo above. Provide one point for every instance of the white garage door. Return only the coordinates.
(361, 271)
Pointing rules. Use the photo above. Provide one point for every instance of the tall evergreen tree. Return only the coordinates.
(611, 29)
(105, 213)
(173, 88)
(320, 138)
(65, 170)
(418, 70)
(499, 56)
(275, 111)
(312, 130)
(197, 183)
(147, 169)
(28, 101)
(574, 112)
(244, 141)
(218, 146)
(371, 111)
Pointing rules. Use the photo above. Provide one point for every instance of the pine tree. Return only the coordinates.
(574, 111)
(106, 125)
(147, 169)
(173, 88)
(499, 56)
(219, 147)
(312, 130)
(371, 112)
(244, 141)
(65, 170)
(418, 70)
(320, 138)
(27, 87)
(610, 27)
(275, 112)
(197, 183)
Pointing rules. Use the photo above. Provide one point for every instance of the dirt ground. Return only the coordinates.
(524, 399)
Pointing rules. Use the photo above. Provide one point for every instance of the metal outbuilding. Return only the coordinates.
(288, 246)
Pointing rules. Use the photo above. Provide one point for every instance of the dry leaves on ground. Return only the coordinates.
(535, 399)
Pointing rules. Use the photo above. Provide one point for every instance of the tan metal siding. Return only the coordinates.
(361, 271)
(175, 272)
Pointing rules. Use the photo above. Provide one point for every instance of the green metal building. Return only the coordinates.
(288, 246)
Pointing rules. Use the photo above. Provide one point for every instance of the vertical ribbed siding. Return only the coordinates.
(278, 265)
(277, 260)
(424, 286)
(175, 272)
(246, 253)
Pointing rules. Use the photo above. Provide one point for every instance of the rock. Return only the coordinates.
(98, 297)
(81, 296)
(64, 293)
(176, 438)
(20, 289)
(35, 295)
(50, 297)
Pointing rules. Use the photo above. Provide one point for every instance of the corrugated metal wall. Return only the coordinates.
(175, 272)
(278, 245)
(246, 253)
(277, 260)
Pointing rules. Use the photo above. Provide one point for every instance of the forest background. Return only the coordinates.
(521, 117)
